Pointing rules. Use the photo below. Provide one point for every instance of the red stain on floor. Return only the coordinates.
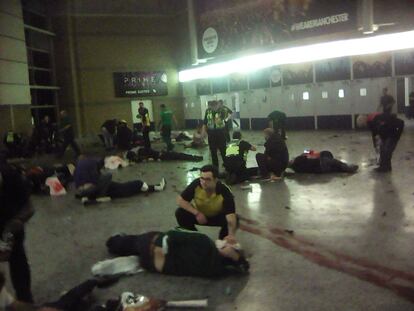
(399, 282)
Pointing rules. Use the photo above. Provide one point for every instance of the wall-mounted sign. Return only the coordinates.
(232, 26)
(210, 40)
(133, 84)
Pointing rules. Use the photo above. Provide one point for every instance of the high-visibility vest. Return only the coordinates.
(215, 119)
(10, 137)
(233, 149)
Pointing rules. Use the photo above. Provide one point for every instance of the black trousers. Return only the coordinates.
(134, 245)
(145, 135)
(280, 127)
(166, 136)
(107, 187)
(217, 142)
(171, 155)
(266, 166)
(330, 165)
(20, 270)
(228, 129)
(386, 150)
(235, 165)
(188, 221)
(69, 140)
(72, 300)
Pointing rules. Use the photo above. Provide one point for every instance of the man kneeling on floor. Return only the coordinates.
(179, 252)
(273, 162)
(235, 160)
(91, 184)
(320, 162)
(208, 202)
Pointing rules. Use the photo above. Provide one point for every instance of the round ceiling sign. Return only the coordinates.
(210, 40)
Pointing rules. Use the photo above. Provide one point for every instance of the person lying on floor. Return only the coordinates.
(140, 154)
(179, 252)
(73, 300)
(91, 183)
(320, 162)
(235, 160)
(37, 176)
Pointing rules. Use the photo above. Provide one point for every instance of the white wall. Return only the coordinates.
(289, 99)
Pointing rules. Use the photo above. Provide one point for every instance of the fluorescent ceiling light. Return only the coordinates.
(308, 53)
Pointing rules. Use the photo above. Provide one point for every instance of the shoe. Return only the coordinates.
(352, 168)
(161, 185)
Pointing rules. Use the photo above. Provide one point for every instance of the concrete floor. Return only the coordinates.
(351, 249)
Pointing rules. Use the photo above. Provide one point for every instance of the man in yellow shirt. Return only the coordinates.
(208, 202)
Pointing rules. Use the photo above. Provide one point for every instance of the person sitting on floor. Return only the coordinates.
(91, 184)
(179, 252)
(199, 138)
(273, 162)
(320, 162)
(235, 160)
(140, 154)
(208, 202)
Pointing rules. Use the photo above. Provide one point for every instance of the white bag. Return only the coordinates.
(127, 265)
(55, 186)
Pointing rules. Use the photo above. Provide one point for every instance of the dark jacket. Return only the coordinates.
(386, 126)
(275, 148)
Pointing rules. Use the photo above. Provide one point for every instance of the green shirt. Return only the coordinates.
(166, 117)
(192, 254)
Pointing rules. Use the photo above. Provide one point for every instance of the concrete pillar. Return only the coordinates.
(368, 16)
(192, 32)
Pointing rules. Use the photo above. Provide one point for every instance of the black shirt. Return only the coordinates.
(14, 194)
(220, 203)
(386, 126)
(387, 101)
(110, 125)
(275, 147)
(303, 164)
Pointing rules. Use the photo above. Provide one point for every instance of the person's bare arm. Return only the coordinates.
(232, 226)
(186, 205)
(201, 218)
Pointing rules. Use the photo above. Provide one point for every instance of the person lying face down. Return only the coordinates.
(139, 154)
(320, 162)
(179, 252)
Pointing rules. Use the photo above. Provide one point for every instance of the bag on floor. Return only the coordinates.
(55, 186)
(127, 265)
